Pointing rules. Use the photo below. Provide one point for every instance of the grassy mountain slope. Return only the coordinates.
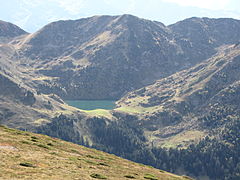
(26, 155)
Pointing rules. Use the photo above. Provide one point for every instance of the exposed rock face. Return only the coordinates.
(10, 89)
(103, 57)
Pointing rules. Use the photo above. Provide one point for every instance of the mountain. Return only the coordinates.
(22, 107)
(104, 57)
(26, 155)
(110, 58)
(9, 30)
(187, 123)
(213, 32)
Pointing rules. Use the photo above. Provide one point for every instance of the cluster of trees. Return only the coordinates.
(217, 158)
(62, 127)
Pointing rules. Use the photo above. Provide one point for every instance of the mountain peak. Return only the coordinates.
(128, 16)
(10, 30)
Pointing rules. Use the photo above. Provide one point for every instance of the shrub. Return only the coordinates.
(43, 146)
(103, 164)
(150, 176)
(98, 176)
(26, 164)
(129, 176)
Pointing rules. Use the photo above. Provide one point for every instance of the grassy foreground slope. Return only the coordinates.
(25, 155)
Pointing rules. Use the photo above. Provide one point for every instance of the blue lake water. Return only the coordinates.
(92, 104)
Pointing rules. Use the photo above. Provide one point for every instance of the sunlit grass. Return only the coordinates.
(26, 155)
(137, 109)
(99, 112)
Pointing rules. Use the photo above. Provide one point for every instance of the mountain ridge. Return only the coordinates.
(121, 46)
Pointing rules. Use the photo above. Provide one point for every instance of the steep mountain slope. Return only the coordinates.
(189, 104)
(21, 107)
(103, 57)
(26, 155)
(212, 158)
